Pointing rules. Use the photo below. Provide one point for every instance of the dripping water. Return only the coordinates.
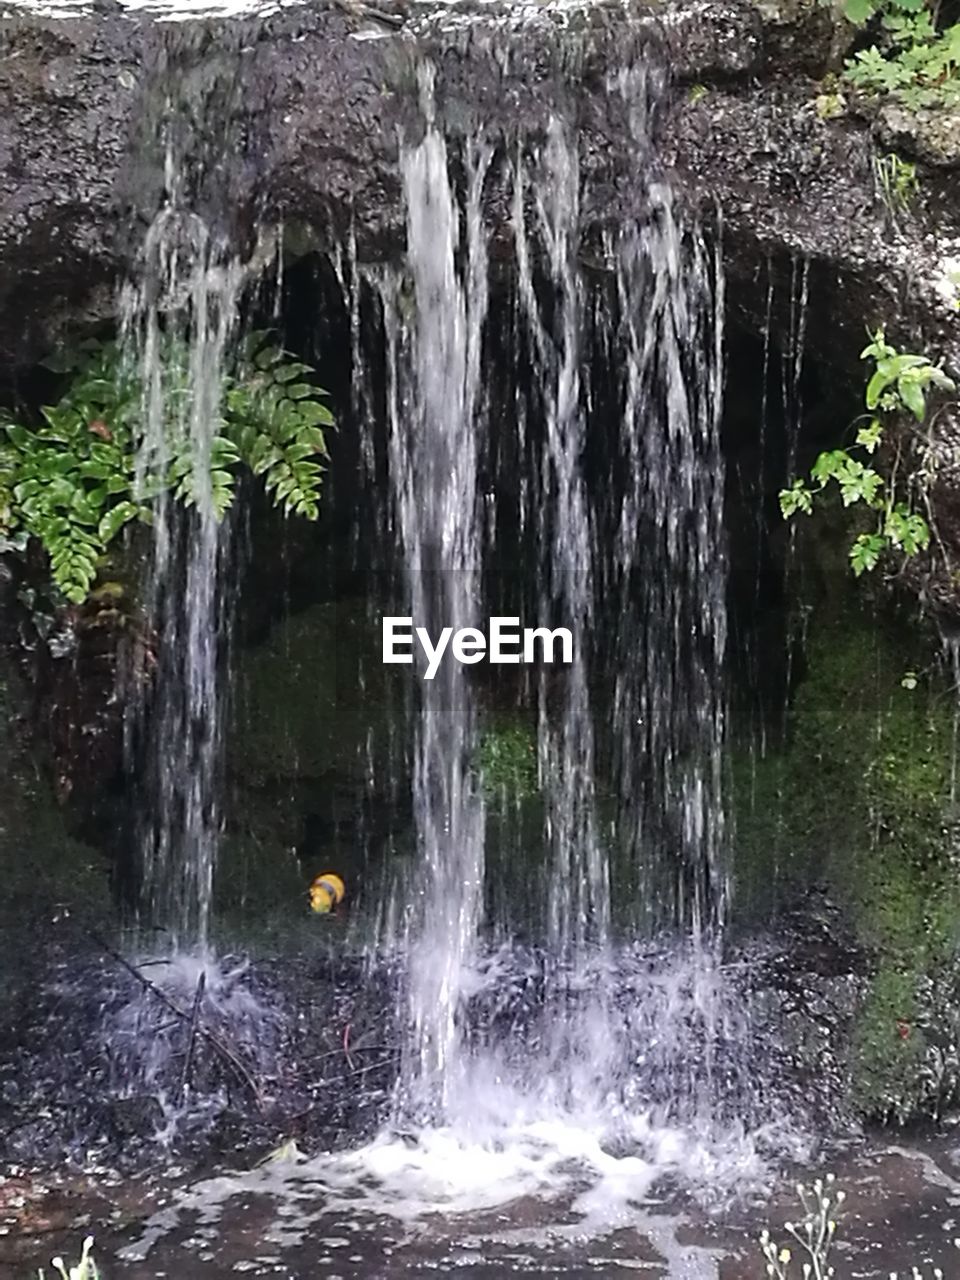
(178, 318)
(578, 932)
(671, 573)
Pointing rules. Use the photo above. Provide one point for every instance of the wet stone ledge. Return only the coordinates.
(301, 114)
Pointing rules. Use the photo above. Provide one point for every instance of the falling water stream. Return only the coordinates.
(434, 397)
(663, 571)
(177, 321)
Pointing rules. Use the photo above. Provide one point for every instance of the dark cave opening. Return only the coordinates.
(777, 411)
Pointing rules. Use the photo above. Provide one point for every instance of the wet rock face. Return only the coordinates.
(296, 117)
(292, 118)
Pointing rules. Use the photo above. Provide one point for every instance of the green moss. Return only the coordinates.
(762, 869)
(887, 1047)
(859, 798)
(507, 760)
(313, 699)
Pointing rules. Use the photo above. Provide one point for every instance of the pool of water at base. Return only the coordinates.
(902, 1211)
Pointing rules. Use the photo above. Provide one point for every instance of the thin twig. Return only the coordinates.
(194, 1027)
(346, 1045)
(212, 1040)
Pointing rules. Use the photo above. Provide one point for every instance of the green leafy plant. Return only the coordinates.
(73, 481)
(915, 62)
(275, 423)
(899, 387)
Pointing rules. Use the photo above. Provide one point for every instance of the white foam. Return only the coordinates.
(564, 1163)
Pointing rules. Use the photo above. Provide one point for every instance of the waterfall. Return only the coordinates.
(179, 315)
(541, 415)
(579, 890)
(434, 398)
(553, 420)
(670, 572)
(541, 437)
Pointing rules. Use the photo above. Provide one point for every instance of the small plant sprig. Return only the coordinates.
(813, 1235)
(85, 1269)
(900, 385)
(897, 180)
(72, 482)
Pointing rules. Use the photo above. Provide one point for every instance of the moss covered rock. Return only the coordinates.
(861, 798)
(315, 699)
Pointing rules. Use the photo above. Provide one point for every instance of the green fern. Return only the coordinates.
(276, 421)
(70, 478)
(70, 481)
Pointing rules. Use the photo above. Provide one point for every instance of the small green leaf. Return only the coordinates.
(870, 435)
(866, 551)
(859, 11)
(912, 395)
(115, 519)
(312, 414)
(829, 465)
(876, 387)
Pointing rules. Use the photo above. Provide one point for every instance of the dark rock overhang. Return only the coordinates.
(296, 118)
